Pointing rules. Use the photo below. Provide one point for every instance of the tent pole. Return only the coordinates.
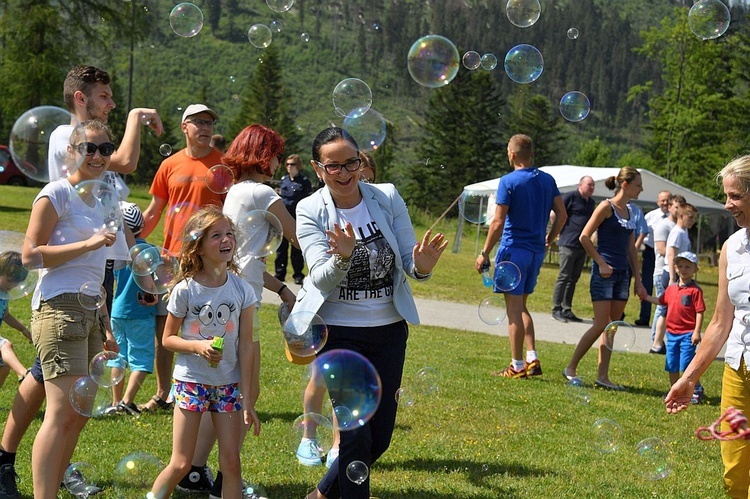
(459, 233)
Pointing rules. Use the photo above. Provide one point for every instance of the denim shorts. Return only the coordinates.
(680, 351)
(198, 397)
(613, 288)
(67, 335)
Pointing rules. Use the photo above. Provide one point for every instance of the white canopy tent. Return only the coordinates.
(568, 176)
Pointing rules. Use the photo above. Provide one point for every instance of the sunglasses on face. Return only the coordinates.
(89, 148)
(202, 123)
(335, 169)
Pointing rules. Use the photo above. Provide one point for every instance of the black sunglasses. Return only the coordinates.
(89, 148)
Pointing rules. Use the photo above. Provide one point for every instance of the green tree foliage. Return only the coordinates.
(534, 116)
(594, 153)
(266, 101)
(464, 141)
(698, 90)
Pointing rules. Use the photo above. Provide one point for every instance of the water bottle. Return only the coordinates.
(486, 275)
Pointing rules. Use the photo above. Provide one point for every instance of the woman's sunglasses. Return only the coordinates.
(89, 148)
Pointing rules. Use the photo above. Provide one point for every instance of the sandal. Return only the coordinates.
(158, 405)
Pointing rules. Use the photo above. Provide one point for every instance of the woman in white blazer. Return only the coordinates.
(359, 246)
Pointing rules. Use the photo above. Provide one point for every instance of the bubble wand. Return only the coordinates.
(445, 212)
(737, 427)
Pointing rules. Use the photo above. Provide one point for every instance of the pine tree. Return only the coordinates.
(266, 101)
(464, 141)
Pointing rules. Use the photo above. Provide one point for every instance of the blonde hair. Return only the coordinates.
(626, 174)
(738, 168)
(522, 146)
(192, 236)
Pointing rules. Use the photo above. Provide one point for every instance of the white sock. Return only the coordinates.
(531, 356)
(518, 365)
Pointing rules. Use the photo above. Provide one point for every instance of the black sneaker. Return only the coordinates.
(558, 316)
(8, 482)
(216, 489)
(571, 316)
(198, 480)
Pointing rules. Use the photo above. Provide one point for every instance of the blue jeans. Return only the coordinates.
(661, 310)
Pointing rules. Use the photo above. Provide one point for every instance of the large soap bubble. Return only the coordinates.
(619, 336)
(471, 60)
(575, 106)
(107, 199)
(259, 234)
(305, 333)
(219, 179)
(524, 63)
(492, 309)
(353, 384)
(29, 139)
(433, 61)
(351, 94)
(653, 458)
(489, 62)
(523, 13)
(186, 19)
(317, 429)
(472, 206)
(507, 276)
(259, 35)
(88, 398)
(709, 19)
(19, 280)
(107, 368)
(162, 277)
(80, 480)
(280, 5)
(368, 128)
(135, 474)
(606, 435)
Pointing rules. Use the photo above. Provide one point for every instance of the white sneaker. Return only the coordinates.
(308, 453)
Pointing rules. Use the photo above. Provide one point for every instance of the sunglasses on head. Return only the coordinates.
(89, 148)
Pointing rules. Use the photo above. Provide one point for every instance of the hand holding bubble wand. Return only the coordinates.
(737, 427)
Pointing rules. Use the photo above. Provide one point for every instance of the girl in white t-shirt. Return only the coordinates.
(210, 302)
(66, 239)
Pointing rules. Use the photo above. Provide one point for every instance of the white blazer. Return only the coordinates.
(317, 213)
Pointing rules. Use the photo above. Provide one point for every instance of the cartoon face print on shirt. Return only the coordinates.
(212, 320)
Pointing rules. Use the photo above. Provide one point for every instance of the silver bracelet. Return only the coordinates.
(419, 275)
(342, 263)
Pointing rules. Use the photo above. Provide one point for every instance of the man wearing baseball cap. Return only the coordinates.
(180, 186)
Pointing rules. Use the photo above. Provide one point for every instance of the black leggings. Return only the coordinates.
(385, 347)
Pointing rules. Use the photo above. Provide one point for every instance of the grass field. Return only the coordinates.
(478, 437)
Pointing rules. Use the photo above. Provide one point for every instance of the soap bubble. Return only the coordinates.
(20, 280)
(88, 398)
(575, 106)
(404, 397)
(524, 63)
(357, 472)
(523, 13)
(305, 333)
(606, 435)
(135, 474)
(107, 368)
(259, 35)
(162, 277)
(619, 336)
(473, 206)
(165, 150)
(489, 62)
(427, 381)
(353, 384)
(219, 178)
(709, 19)
(315, 427)
(304, 37)
(259, 234)
(277, 25)
(507, 276)
(351, 94)
(578, 391)
(186, 19)
(29, 140)
(105, 197)
(573, 33)
(433, 61)
(144, 258)
(253, 491)
(176, 218)
(471, 60)
(492, 309)
(92, 295)
(653, 458)
(80, 480)
(367, 127)
(279, 5)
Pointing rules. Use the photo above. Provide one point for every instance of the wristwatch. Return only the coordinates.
(341, 262)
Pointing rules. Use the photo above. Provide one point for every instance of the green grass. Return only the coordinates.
(478, 437)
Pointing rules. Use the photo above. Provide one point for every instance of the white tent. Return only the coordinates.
(568, 176)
